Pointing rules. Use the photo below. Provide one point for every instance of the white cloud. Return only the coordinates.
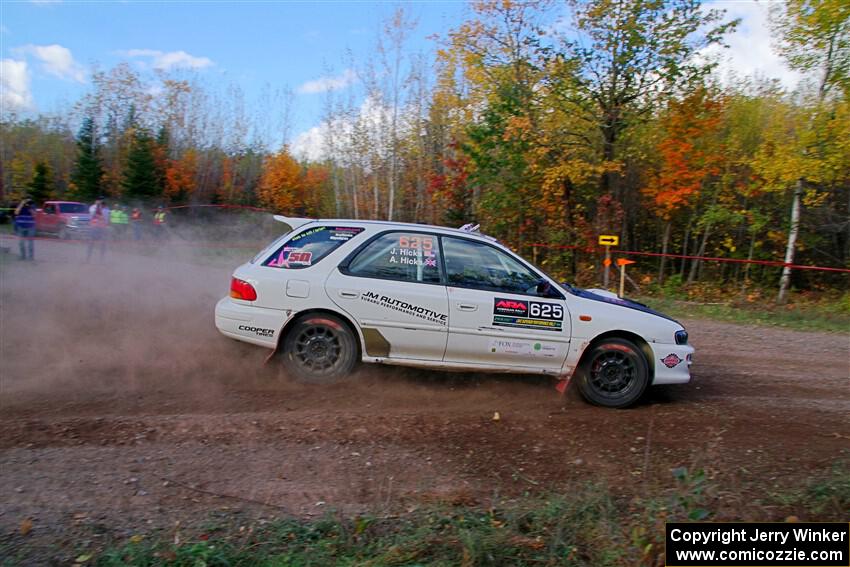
(56, 60)
(171, 59)
(310, 145)
(371, 120)
(325, 84)
(14, 85)
(750, 52)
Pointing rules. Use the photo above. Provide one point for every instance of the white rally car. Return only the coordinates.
(331, 293)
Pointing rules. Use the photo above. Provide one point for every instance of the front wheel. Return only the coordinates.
(320, 348)
(613, 373)
(63, 233)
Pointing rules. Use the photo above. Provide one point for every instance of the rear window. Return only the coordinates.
(309, 247)
(73, 208)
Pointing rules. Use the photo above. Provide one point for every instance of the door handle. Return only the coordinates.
(348, 294)
(466, 307)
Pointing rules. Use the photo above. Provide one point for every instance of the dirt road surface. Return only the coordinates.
(124, 410)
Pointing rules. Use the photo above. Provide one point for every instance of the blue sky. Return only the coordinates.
(48, 47)
(248, 43)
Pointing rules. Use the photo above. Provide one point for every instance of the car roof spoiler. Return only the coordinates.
(293, 222)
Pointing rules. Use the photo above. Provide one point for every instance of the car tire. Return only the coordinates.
(613, 373)
(320, 348)
(63, 233)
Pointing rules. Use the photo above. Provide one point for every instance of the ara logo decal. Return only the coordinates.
(503, 306)
(671, 360)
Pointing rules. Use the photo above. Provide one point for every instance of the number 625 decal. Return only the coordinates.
(546, 310)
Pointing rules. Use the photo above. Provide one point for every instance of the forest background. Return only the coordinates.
(615, 123)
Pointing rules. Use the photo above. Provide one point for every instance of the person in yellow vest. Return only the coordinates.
(113, 221)
(121, 221)
(160, 222)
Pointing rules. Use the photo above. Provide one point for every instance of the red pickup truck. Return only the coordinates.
(65, 219)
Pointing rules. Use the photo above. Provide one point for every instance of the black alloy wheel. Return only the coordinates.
(613, 373)
(320, 348)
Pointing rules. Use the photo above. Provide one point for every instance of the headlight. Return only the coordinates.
(681, 337)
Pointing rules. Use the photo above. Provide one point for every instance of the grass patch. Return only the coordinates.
(587, 527)
(832, 315)
(576, 531)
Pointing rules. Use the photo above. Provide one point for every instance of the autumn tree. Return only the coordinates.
(814, 38)
(180, 177)
(688, 159)
(631, 55)
(286, 187)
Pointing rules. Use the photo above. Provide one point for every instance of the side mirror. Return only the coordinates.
(544, 289)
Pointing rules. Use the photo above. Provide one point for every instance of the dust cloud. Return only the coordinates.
(139, 317)
(134, 332)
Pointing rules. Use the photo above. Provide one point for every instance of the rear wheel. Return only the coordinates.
(613, 373)
(320, 348)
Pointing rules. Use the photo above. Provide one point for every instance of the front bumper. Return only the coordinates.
(77, 231)
(672, 363)
(245, 322)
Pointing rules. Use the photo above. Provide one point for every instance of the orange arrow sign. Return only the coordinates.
(624, 262)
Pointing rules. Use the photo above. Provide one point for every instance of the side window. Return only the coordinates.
(308, 247)
(403, 256)
(48, 209)
(479, 266)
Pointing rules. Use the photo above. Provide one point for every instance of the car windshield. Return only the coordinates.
(72, 208)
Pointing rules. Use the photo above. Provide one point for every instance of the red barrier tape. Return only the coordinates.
(774, 263)
(148, 242)
(248, 207)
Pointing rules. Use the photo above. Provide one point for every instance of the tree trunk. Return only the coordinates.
(701, 252)
(685, 244)
(337, 200)
(665, 240)
(785, 280)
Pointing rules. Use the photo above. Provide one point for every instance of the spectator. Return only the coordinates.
(159, 222)
(136, 222)
(25, 228)
(119, 221)
(98, 225)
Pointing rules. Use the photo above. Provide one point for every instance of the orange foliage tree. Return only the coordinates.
(288, 187)
(180, 177)
(688, 158)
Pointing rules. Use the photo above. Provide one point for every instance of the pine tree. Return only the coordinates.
(40, 187)
(140, 178)
(161, 157)
(88, 171)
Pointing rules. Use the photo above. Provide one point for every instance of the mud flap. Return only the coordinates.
(270, 356)
(562, 384)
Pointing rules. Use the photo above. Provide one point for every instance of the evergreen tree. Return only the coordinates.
(88, 171)
(140, 177)
(161, 149)
(41, 185)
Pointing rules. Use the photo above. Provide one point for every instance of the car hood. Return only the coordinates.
(604, 296)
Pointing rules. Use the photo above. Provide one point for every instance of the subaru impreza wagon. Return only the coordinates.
(332, 293)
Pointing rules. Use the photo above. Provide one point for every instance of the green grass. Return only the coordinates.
(542, 531)
(587, 527)
(832, 316)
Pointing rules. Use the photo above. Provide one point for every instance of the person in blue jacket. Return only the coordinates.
(25, 228)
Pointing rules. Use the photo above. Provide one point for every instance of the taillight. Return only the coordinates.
(240, 289)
